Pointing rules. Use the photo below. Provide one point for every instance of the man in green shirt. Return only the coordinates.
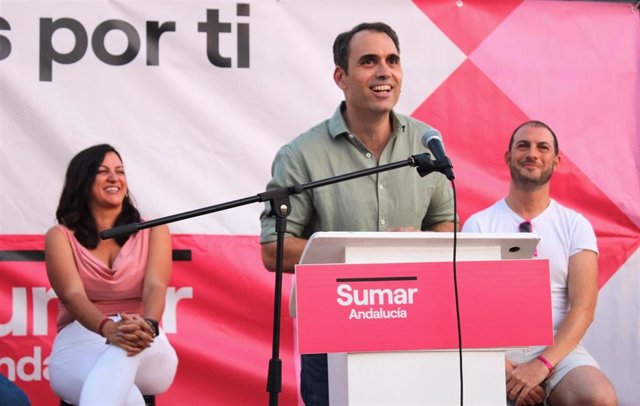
(364, 132)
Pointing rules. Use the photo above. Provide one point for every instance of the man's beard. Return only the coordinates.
(527, 181)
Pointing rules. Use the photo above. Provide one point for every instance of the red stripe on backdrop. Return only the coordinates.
(225, 332)
(222, 300)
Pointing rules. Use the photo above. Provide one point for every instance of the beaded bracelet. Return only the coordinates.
(101, 325)
(153, 323)
(545, 362)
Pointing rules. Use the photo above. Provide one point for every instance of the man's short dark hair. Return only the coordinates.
(341, 43)
(535, 123)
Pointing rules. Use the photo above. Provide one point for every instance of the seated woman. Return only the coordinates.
(109, 349)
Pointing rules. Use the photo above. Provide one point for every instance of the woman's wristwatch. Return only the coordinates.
(154, 326)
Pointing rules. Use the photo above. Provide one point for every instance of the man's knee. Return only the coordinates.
(586, 386)
(589, 398)
(602, 395)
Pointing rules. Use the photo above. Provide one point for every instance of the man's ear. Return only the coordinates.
(557, 160)
(338, 77)
(507, 157)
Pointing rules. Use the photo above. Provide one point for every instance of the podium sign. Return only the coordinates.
(382, 306)
(411, 306)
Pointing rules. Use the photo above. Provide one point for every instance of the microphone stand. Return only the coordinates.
(280, 208)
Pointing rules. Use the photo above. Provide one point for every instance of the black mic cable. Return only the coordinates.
(455, 289)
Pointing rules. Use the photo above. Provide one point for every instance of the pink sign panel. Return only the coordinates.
(411, 306)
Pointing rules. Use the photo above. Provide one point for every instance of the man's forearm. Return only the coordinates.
(570, 332)
(292, 252)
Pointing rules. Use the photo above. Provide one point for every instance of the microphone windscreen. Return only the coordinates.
(429, 135)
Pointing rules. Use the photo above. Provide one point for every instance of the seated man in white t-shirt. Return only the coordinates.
(563, 373)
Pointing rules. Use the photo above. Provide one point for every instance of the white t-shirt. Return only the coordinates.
(563, 232)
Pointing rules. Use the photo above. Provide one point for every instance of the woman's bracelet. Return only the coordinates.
(545, 362)
(153, 323)
(101, 325)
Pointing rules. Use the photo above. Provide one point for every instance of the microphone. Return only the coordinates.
(433, 141)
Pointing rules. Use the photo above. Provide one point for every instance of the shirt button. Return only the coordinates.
(368, 154)
(381, 187)
(382, 221)
(350, 136)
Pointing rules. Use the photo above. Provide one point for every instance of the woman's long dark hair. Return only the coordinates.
(73, 210)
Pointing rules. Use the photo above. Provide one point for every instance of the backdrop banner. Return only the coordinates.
(198, 96)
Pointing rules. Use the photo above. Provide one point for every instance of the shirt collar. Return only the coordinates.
(337, 125)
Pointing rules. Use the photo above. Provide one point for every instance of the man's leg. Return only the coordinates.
(583, 385)
(314, 381)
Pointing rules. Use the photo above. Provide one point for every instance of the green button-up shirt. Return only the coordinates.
(395, 198)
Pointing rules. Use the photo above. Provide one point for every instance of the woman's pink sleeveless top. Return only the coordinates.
(112, 290)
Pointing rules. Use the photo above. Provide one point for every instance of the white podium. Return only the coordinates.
(413, 360)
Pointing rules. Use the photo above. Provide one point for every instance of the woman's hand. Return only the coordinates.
(131, 333)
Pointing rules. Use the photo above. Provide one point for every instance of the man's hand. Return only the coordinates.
(524, 382)
(402, 229)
